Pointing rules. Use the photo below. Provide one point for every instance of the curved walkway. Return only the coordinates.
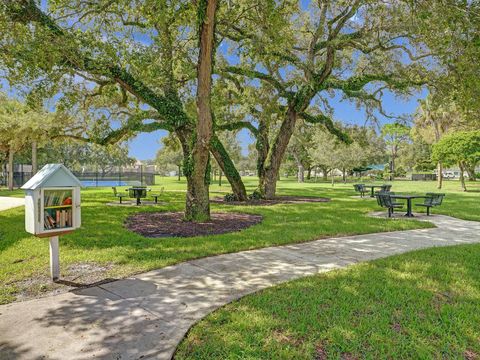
(147, 316)
(7, 202)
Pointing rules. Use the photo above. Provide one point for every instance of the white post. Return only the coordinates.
(54, 258)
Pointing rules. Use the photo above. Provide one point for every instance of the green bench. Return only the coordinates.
(360, 188)
(432, 200)
(156, 196)
(385, 201)
(118, 195)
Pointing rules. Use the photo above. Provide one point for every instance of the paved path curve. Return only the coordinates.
(147, 316)
(10, 202)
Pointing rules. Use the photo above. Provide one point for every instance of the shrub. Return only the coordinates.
(256, 195)
(230, 197)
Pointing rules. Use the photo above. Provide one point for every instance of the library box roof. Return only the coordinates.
(52, 175)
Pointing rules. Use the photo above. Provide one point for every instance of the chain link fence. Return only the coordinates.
(91, 176)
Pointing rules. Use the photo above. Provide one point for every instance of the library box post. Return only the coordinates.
(52, 207)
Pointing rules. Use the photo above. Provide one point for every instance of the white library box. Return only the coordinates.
(52, 202)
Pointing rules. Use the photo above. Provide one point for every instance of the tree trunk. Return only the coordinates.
(440, 175)
(263, 147)
(471, 172)
(179, 172)
(197, 202)
(300, 173)
(462, 177)
(275, 155)
(220, 178)
(324, 173)
(10, 169)
(344, 175)
(392, 166)
(300, 169)
(34, 158)
(309, 173)
(226, 164)
(268, 185)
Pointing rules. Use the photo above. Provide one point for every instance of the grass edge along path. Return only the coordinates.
(422, 304)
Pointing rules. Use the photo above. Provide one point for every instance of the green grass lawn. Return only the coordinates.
(103, 248)
(420, 305)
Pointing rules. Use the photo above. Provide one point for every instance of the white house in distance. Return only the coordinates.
(52, 202)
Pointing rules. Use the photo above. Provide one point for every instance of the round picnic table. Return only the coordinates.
(409, 201)
(138, 192)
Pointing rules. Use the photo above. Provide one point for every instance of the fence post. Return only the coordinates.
(21, 182)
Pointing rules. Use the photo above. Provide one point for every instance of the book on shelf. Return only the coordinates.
(56, 219)
(57, 198)
(50, 223)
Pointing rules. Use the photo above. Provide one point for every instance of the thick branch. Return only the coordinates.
(329, 125)
(237, 126)
(253, 74)
(26, 11)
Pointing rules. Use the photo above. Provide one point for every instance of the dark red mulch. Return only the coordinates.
(166, 224)
(275, 201)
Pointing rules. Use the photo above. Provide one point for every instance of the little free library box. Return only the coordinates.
(52, 206)
(52, 201)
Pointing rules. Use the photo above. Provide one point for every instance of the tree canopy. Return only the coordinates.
(461, 148)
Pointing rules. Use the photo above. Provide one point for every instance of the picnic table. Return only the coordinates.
(138, 192)
(409, 201)
(373, 189)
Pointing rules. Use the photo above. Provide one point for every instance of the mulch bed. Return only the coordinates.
(275, 201)
(167, 224)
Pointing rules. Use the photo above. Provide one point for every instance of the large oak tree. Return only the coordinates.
(137, 62)
(357, 49)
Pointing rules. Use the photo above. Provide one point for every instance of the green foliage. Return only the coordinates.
(230, 197)
(416, 156)
(450, 30)
(400, 172)
(395, 133)
(365, 149)
(169, 157)
(20, 125)
(256, 195)
(461, 147)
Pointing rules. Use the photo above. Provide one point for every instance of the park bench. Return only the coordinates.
(117, 194)
(385, 201)
(386, 187)
(432, 200)
(360, 188)
(156, 196)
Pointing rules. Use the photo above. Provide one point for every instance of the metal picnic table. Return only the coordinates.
(138, 192)
(409, 201)
(373, 189)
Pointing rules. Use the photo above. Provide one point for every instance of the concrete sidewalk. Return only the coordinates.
(147, 316)
(10, 202)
